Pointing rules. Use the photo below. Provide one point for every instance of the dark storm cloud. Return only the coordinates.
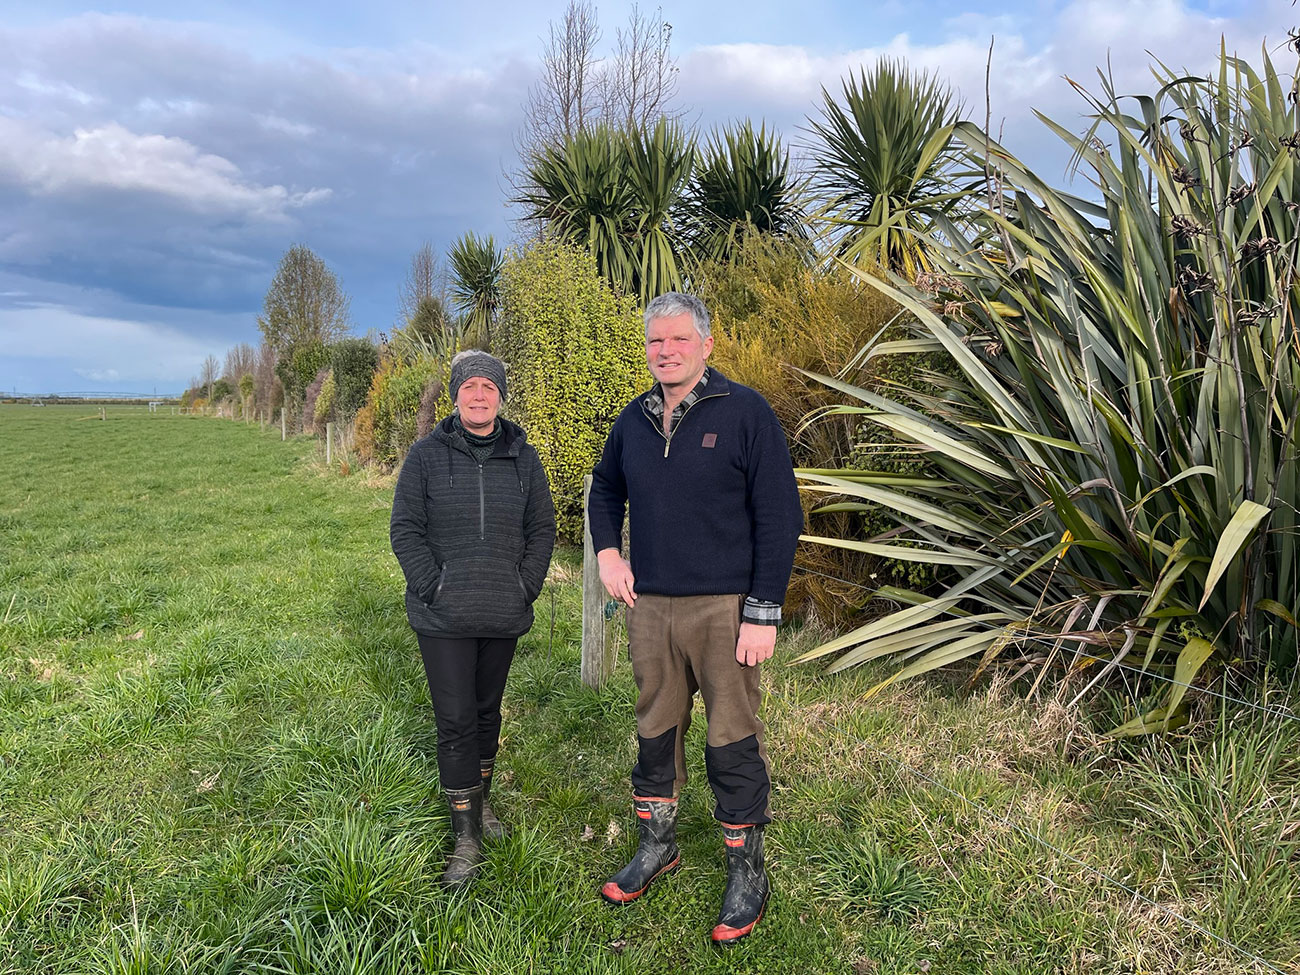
(164, 163)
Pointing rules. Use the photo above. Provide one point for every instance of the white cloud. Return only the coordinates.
(110, 156)
(274, 123)
(782, 83)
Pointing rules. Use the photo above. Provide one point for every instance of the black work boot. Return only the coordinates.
(657, 854)
(467, 825)
(747, 889)
(493, 828)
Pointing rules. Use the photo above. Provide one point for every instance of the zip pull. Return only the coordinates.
(667, 443)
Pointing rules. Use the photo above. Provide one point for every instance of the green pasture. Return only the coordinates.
(217, 755)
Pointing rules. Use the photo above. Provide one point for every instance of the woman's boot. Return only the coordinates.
(467, 824)
(657, 853)
(747, 888)
(493, 828)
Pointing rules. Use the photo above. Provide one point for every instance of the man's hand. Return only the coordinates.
(616, 575)
(755, 643)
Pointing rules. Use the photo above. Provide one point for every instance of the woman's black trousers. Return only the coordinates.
(466, 680)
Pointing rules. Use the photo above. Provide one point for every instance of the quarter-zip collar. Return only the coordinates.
(711, 384)
(508, 444)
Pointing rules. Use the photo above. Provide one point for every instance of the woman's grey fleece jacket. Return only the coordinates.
(474, 539)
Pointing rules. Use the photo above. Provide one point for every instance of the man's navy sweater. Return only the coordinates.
(713, 507)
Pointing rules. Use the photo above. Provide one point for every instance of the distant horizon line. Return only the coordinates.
(82, 394)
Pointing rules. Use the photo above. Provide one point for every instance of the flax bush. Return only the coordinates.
(1119, 445)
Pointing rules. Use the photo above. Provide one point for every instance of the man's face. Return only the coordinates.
(675, 352)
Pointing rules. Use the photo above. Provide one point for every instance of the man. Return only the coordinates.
(702, 465)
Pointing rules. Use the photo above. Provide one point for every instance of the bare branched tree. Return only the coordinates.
(577, 88)
(424, 280)
(240, 361)
(639, 85)
(209, 373)
(566, 98)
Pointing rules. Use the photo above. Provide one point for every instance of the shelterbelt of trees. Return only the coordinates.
(1035, 430)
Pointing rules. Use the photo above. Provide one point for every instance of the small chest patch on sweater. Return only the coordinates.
(710, 440)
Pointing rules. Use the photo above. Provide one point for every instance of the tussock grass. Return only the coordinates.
(217, 755)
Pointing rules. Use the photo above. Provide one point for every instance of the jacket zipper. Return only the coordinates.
(668, 437)
(481, 534)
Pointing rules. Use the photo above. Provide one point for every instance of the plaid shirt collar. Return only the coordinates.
(653, 404)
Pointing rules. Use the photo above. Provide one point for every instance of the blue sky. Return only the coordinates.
(153, 168)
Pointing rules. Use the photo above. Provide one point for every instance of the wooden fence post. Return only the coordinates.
(597, 646)
(284, 429)
(329, 439)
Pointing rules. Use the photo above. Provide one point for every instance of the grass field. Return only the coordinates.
(217, 755)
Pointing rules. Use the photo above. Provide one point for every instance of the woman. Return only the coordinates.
(473, 527)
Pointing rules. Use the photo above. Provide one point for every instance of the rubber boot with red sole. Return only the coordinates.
(655, 856)
(747, 888)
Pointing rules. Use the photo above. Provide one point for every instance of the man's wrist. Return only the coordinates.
(760, 612)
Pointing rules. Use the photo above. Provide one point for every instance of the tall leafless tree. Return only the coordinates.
(209, 373)
(577, 88)
(566, 98)
(640, 83)
(424, 280)
(422, 301)
(265, 381)
(240, 361)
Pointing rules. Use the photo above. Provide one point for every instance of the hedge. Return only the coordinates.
(575, 354)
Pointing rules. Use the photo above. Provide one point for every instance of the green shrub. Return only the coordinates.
(324, 407)
(353, 362)
(393, 405)
(298, 370)
(575, 354)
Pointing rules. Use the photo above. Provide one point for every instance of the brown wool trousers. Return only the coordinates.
(678, 645)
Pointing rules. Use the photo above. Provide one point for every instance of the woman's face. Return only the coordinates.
(478, 401)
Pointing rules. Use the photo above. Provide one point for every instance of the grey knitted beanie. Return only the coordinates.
(476, 362)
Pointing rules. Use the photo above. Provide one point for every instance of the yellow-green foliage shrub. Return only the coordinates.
(772, 311)
(575, 351)
(363, 433)
(324, 409)
(388, 427)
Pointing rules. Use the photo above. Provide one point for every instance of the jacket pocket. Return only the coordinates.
(480, 594)
(429, 595)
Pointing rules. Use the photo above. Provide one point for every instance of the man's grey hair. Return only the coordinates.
(675, 303)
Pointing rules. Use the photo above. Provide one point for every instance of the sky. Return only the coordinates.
(154, 167)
